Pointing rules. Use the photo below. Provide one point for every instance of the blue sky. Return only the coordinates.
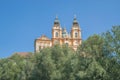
(22, 21)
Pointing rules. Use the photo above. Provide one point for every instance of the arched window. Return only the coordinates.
(76, 34)
(56, 34)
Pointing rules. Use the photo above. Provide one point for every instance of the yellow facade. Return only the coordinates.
(61, 36)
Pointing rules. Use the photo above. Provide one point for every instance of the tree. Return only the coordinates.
(16, 67)
(112, 52)
(112, 41)
(53, 64)
(92, 47)
(98, 58)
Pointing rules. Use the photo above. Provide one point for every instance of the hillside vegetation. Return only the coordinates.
(98, 58)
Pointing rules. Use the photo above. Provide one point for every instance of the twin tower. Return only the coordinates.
(61, 36)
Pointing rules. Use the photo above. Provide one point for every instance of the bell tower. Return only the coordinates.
(56, 32)
(61, 36)
(75, 34)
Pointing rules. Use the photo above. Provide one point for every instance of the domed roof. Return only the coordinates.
(75, 23)
(75, 20)
(56, 20)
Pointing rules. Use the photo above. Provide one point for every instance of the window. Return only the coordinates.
(56, 34)
(76, 34)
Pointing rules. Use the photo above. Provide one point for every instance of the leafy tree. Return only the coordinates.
(92, 47)
(52, 63)
(98, 58)
(112, 41)
(15, 68)
(112, 52)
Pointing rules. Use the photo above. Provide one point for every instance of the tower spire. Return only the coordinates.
(75, 20)
(56, 20)
(56, 16)
(74, 16)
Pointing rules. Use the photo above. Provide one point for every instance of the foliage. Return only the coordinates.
(112, 41)
(16, 68)
(92, 47)
(98, 58)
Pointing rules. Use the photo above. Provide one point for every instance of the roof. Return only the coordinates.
(23, 54)
(56, 20)
(43, 37)
(75, 22)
